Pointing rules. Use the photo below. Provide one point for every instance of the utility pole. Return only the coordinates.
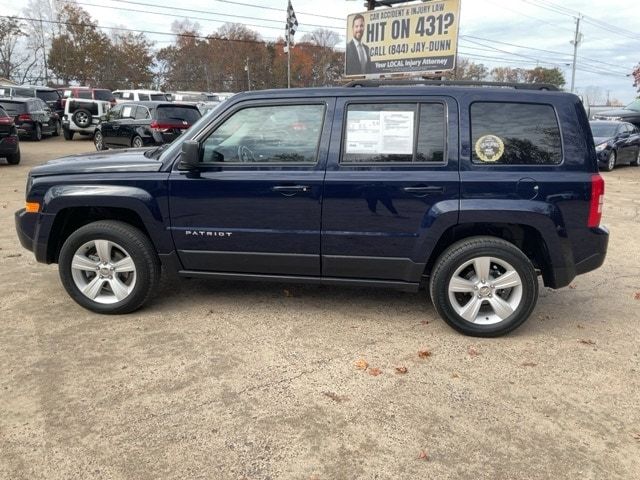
(246, 67)
(577, 39)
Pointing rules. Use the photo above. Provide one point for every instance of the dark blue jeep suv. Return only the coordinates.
(472, 192)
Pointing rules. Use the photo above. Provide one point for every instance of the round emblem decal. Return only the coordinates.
(489, 148)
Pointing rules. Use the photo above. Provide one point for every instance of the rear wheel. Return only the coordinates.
(484, 286)
(68, 134)
(14, 158)
(109, 267)
(36, 135)
(58, 129)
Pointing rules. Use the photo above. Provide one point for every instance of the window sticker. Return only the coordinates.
(383, 132)
(126, 112)
(489, 148)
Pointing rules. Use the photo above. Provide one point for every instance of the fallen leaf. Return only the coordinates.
(335, 397)
(636, 436)
(424, 322)
(401, 370)
(13, 255)
(637, 296)
(586, 341)
(374, 372)
(362, 364)
(580, 326)
(424, 353)
(424, 455)
(529, 364)
(473, 351)
(455, 375)
(572, 286)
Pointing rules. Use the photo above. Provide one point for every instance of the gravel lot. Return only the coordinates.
(225, 380)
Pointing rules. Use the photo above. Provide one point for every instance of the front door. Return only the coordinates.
(255, 204)
(391, 183)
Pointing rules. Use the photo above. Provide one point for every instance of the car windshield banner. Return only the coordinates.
(412, 39)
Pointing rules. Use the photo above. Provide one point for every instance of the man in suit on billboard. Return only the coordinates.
(358, 59)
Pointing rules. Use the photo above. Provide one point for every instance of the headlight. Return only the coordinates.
(601, 147)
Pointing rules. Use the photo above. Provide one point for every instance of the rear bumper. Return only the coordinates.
(599, 238)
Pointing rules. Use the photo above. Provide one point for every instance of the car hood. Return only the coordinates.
(621, 112)
(130, 160)
(599, 140)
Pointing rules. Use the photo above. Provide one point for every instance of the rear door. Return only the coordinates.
(124, 127)
(390, 179)
(110, 126)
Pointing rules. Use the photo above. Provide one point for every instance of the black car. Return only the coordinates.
(9, 143)
(616, 142)
(142, 124)
(50, 96)
(630, 113)
(32, 117)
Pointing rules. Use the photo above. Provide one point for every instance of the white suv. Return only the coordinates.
(139, 96)
(82, 116)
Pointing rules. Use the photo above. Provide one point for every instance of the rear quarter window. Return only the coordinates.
(175, 112)
(84, 94)
(514, 134)
(102, 95)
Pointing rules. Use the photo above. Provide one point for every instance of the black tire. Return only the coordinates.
(98, 141)
(58, 129)
(464, 251)
(14, 159)
(135, 243)
(68, 134)
(136, 142)
(611, 161)
(636, 162)
(36, 135)
(82, 118)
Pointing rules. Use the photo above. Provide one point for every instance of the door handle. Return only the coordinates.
(290, 190)
(425, 190)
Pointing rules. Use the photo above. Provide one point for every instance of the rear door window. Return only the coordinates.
(143, 97)
(23, 92)
(159, 97)
(84, 94)
(515, 134)
(142, 113)
(102, 95)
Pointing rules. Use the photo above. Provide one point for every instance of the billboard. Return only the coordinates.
(419, 38)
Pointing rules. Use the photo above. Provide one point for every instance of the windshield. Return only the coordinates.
(175, 146)
(178, 113)
(635, 105)
(603, 129)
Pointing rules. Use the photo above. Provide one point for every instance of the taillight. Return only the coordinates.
(165, 127)
(24, 117)
(6, 121)
(597, 201)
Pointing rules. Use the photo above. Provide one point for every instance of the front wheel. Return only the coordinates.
(98, 141)
(636, 162)
(137, 142)
(58, 129)
(611, 161)
(484, 286)
(109, 267)
(68, 134)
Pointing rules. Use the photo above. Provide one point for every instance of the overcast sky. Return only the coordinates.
(609, 49)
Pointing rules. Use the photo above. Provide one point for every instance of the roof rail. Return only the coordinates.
(457, 83)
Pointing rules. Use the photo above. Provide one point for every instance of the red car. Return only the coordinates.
(88, 93)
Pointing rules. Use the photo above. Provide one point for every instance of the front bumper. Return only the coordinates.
(33, 231)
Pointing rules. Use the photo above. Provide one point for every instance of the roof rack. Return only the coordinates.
(457, 83)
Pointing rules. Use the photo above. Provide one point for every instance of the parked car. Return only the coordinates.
(616, 142)
(9, 141)
(50, 96)
(32, 117)
(144, 124)
(630, 113)
(470, 192)
(83, 116)
(122, 96)
(88, 93)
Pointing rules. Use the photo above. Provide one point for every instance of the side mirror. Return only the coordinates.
(190, 158)
(623, 135)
